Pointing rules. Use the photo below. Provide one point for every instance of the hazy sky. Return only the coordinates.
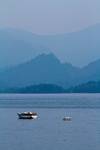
(49, 16)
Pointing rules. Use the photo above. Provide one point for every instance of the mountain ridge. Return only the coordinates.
(48, 69)
(89, 87)
(19, 46)
(45, 68)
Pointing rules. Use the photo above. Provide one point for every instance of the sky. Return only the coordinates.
(49, 16)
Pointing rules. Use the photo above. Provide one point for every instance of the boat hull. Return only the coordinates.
(21, 116)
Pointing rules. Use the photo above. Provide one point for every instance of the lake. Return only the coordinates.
(49, 131)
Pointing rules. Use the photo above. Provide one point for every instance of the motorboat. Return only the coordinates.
(27, 115)
(67, 118)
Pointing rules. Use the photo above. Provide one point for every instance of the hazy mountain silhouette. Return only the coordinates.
(45, 68)
(39, 88)
(79, 48)
(91, 72)
(89, 87)
(48, 69)
(18, 46)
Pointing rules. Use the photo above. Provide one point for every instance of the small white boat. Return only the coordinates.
(67, 118)
(27, 115)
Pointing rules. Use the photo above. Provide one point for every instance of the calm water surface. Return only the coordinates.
(49, 131)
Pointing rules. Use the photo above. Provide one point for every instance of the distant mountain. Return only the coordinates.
(18, 46)
(89, 87)
(79, 48)
(48, 69)
(44, 69)
(40, 88)
(91, 72)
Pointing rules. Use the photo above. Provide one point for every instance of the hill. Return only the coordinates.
(44, 69)
(89, 87)
(40, 88)
(90, 72)
(48, 69)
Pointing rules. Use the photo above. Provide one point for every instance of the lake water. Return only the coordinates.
(49, 131)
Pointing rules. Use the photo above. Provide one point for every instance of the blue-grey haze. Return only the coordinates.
(78, 48)
(49, 16)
